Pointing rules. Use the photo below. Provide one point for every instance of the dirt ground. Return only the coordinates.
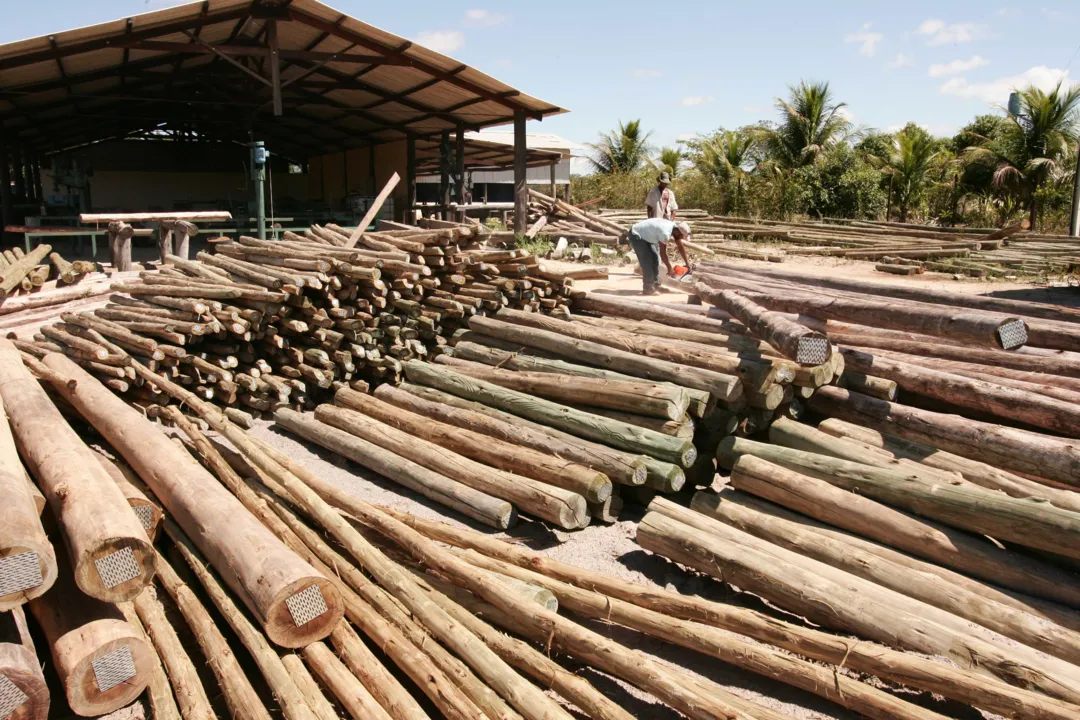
(611, 549)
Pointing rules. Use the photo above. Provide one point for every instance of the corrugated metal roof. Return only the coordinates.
(343, 82)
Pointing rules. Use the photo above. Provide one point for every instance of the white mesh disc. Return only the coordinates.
(11, 697)
(306, 605)
(20, 572)
(114, 668)
(117, 567)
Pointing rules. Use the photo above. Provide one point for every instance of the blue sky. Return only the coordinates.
(690, 67)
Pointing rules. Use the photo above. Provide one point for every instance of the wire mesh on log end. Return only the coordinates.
(145, 513)
(1013, 334)
(113, 668)
(117, 567)
(20, 572)
(812, 350)
(11, 697)
(690, 456)
(306, 605)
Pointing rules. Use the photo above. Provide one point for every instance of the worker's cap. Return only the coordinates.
(665, 178)
(684, 228)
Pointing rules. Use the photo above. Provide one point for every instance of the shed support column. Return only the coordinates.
(554, 187)
(521, 189)
(410, 179)
(17, 166)
(275, 64)
(38, 192)
(1074, 221)
(5, 189)
(371, 170)
(459, 167)
(444, 174)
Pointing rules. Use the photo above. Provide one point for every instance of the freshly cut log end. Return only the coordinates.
(305, 602)
(812, 350)
(1013, 334)
(109, 677)
(23, 692)
(25, 573)
(122, 569)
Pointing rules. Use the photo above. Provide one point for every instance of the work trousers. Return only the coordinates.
(648, 255)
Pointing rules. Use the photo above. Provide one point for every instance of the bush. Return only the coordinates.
(841, 184)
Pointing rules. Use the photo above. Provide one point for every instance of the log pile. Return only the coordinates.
(23, 273)
(551, 216)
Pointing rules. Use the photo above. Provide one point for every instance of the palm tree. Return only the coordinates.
(1030, 146)
(727, 157)
(910, 161)
(810, 122)
(669, 159)
(621, 151)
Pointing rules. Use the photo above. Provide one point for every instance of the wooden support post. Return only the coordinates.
(38, 192)
(6, 203)
(275, 64)
(444, 174)
(165, 239)
(459, 166)
(183, 231)
(26, 696)
(18, 170)
(554, 186)
(410, 180)
(120, 245)
(521, 187)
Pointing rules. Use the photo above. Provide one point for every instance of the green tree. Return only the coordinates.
(841, 184)
(623, 150)
(1030, 146)
(727, 157)
(670, 159)
(909, 165)
(811, 121)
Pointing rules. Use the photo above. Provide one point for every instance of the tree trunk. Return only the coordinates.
(149, 514)
(20, 667)
(159, 693)
(794, 341)
(639, 310)
(838, 599)
(110, 552)
(951, 548)
(259, 569)
(1021, 451)
(590, 484)
(309, 688)
(350, 692)
(871, 385)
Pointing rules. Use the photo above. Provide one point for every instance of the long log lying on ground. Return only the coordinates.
(980, 329)
(962, 505)
(350, 692)
(590, 484)
(765, 661)
(622, 468)
(837, 599)
(159, 693)
(103, 662)
(1005, 402)
(1004, 447)
(973, 471)
(660, 400)
(561, 507)
(970, 686)
(638, 310)
(473, 503)
(110, 552)
(294, 603)
(799, 343)
(726, 388)
(27, 561)
(1026, 628)
(586, 425)
(12, 275)
(946, 546)
(23, 692)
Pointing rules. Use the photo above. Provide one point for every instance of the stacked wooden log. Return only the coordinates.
(22, 272)
(257, 325)
(551, 216)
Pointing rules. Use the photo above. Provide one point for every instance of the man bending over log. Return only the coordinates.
(649, 239)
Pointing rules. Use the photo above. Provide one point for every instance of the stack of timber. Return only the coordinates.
(261, 324)
(551, 216)
(42, 268)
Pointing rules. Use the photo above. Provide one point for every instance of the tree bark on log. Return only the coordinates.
(1025, 628)
(871, 385)
(1020, 451)
(265, 574)
(350, 692)
(149, 513)
(470, 502)
(970, 686)
(660, 400)
(159, 693)
(838, 599)
(969, 507)
(27, 560)
(726, 388)
(636, 310)
(622, 468)
(110, 552)
(561, 507)
(21, 669)
(12, 276)
(937, 543)
(103, 662)
(794, 341)
(973, 471)
(309, 688)
(592, 427)
(590, 484)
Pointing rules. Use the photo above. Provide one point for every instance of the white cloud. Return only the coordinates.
(483, 18)
(643, 73)
(866, 40)
(901, 61)
(846, 113)
(1007, 12)
(938, 32)
(997, 91)
(1054, 14)
(956, 67)
(697, 99)
(443, 41)
(755, 109)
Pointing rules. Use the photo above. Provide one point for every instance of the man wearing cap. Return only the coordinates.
(660, 202)
(649, 239)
